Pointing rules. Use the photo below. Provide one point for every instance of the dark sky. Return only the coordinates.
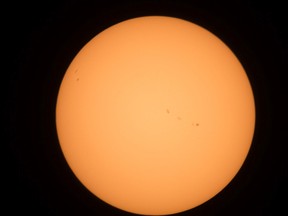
(46, 36)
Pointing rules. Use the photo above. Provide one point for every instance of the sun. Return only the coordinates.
(155, 115)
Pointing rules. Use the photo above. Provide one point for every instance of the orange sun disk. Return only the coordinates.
(155, 115)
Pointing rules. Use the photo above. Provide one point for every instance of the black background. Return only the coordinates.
(45, 36)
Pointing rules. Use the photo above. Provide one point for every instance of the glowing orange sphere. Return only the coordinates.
(155, 115)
